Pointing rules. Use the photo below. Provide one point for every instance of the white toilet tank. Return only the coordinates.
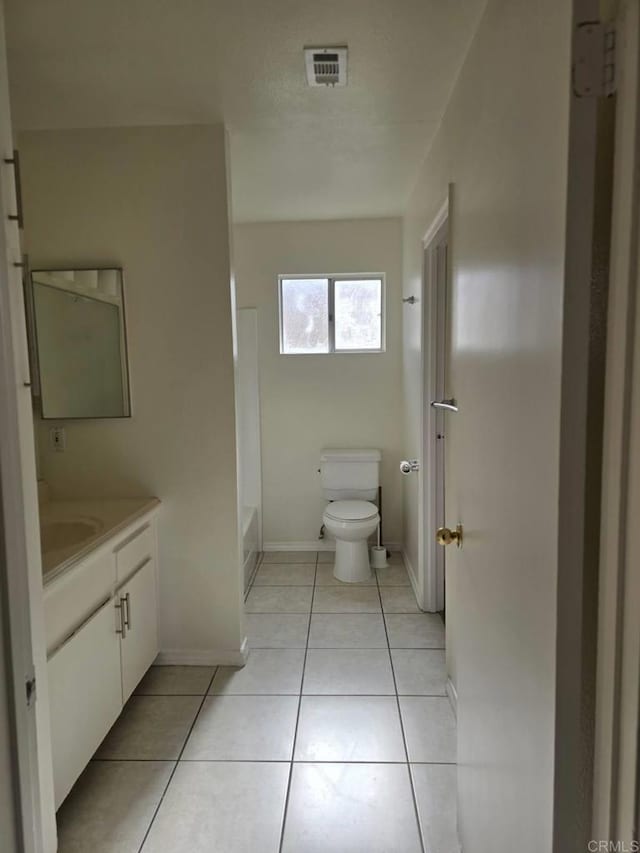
(349, 474)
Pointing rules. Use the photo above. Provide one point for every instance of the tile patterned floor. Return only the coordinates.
(336, 737)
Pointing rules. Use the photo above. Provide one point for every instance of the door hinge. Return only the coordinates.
(594, 60)
(30, 689)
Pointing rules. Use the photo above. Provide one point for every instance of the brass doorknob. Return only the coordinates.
(445, 536)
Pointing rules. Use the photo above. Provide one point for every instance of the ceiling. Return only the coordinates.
(296, 152)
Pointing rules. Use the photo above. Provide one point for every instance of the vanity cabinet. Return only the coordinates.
(97, 658)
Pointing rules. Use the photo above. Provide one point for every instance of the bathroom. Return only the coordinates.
(306, 309)
(204, 480)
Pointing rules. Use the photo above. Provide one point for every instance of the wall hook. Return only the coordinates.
(411, 300)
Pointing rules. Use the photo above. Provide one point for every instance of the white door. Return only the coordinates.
(521, 237)
(139, 640)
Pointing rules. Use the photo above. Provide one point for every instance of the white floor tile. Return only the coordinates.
(325, 577)
(111, 806)
(393, 575)
(361, 599)
(349, 728)
(279, 599)
(398, 599)
(285, 574)
(430, 729)
(436, 791)
(266, 671)
(347, 631)
(350, 808)
(345, 672)
(150, 727)
(226, 807)
(350, 789)
(244, 728)
(420, 672)
(176, 681)
(289, 557)
(277, 630)
(423, 631)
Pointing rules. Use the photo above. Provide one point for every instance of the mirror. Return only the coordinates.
(79, 343)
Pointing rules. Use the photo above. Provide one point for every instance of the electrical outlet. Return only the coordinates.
(58, 439)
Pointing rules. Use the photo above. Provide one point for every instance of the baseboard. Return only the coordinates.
(453, 696)
(315, 545)
(412, 576)
(204, 657)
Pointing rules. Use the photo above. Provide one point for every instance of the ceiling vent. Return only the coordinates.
(326, 66)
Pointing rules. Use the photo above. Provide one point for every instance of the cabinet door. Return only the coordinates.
(85, 695)
(139, 645)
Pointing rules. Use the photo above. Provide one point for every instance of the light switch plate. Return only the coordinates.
(58, 439)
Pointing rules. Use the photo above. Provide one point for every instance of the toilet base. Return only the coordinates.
(352, 561)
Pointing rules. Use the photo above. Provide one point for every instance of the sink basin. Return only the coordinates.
(55, 535)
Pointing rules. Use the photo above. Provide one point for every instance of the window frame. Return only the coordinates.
(331, 279)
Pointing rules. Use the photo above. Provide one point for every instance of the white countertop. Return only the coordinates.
(107, 515)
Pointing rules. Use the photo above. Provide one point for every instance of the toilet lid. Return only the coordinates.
(351, 510)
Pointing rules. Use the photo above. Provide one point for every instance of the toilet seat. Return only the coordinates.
(350, 510)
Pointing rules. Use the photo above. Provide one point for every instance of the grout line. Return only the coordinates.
(157, 695)
(295, 731)
(404, 736)
(305, 761)
(277, 612)
(175, 767)
(327, 695)
(335, 695)
(297, 693)
(133, 761)
(340, 695)
(255, 761)
(319, 648)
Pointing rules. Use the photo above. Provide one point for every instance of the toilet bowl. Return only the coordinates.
(351, 522)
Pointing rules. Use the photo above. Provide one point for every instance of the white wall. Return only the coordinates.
(154, 201)
(315, 401)
(503, 144)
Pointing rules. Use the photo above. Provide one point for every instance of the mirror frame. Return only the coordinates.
(32, 337)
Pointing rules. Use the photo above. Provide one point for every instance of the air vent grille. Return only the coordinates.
(326, 66)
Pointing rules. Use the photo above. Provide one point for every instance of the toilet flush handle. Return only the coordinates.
(408, 466)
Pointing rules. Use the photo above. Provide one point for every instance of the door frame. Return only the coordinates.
(431, 489)
(616, 788)
(20, 559)
(582, 393)
(13, 568)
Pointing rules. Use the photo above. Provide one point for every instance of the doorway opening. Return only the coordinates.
(436, 405)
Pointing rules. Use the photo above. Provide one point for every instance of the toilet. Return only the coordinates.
(350, 480)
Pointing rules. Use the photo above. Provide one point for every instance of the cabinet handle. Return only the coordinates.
(122, 630)
(15, 162)
(127, 603)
